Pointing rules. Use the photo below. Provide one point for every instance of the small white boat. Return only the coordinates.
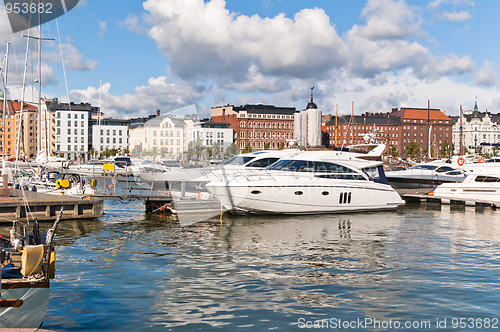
(308, 183)
(55, 183)
(484, 187)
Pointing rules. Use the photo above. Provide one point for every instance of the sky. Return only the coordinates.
(167, 54)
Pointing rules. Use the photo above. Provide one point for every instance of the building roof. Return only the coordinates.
(421, 113)
(110, 122)
(15, 105)
(477, 115)
(54, 105)
(266, 109)
(156, 121)
(212, 124)
(139, 122)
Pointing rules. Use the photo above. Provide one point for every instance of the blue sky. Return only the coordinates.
(168, 54)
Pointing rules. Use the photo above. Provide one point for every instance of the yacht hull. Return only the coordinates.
(305, 199)
(35, 297)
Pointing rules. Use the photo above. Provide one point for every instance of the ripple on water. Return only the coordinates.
(130, 271)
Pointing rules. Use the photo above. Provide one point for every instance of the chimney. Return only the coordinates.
(157, 112)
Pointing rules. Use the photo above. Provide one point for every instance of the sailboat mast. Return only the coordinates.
(19, 132)
(39, 127)
(4, 134)
(5, 177)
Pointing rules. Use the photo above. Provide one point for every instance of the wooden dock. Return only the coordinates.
(44, 207)
(415, 196)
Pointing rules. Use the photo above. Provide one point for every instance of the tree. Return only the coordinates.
(446, 150)
(393, 151)
(247, 148)
(412, 149)
(195, 149)
(267, 145)
(126, 151)
(216, 150)
(154, 151)
(231, 150)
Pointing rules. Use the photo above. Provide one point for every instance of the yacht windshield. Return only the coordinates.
(429, 167)
(238, 160)
(310, 166)
(376, 174)
(264, 162)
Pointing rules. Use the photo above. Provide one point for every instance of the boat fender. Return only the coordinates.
(33, 189)
(65, 183)
(461, 161)
(481, 160)
(93, 183)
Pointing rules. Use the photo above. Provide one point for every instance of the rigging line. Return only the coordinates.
(62, 60)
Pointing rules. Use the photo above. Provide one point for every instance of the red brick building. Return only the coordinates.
(257, 125)
(398, 129)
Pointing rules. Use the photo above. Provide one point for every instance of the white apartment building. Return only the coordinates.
(110, 134)
(71, 133)
(212, 133)
(480, 131)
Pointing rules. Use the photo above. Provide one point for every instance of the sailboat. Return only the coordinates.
(27, 265)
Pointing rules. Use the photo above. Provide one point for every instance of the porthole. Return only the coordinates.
(298, 193)
(325, 193)
(255, 192)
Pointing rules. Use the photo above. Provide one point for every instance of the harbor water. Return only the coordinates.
(423, 267)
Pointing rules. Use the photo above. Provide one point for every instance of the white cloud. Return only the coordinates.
(160, 93)
(134, 23)
(102, 28)
(456, 16)
(206, 41)
(487, 75)
(73, 59)
(388, 19)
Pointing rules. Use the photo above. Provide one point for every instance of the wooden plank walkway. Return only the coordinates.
(415, 196)
(45, 206)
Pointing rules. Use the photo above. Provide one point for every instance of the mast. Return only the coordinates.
(19, 132)
(428, 129)
(336, 122)
(352, 123)
(4, 134)
(99, 119)
(461, 131)
(39, 127)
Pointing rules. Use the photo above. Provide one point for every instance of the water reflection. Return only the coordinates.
(133, 271)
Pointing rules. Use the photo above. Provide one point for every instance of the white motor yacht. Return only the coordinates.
(309, 182)
(425, 175)
(178, 173)
(477, 186)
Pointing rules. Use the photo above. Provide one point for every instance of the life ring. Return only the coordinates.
(481, 160)
(461, 161)
(58, 183)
